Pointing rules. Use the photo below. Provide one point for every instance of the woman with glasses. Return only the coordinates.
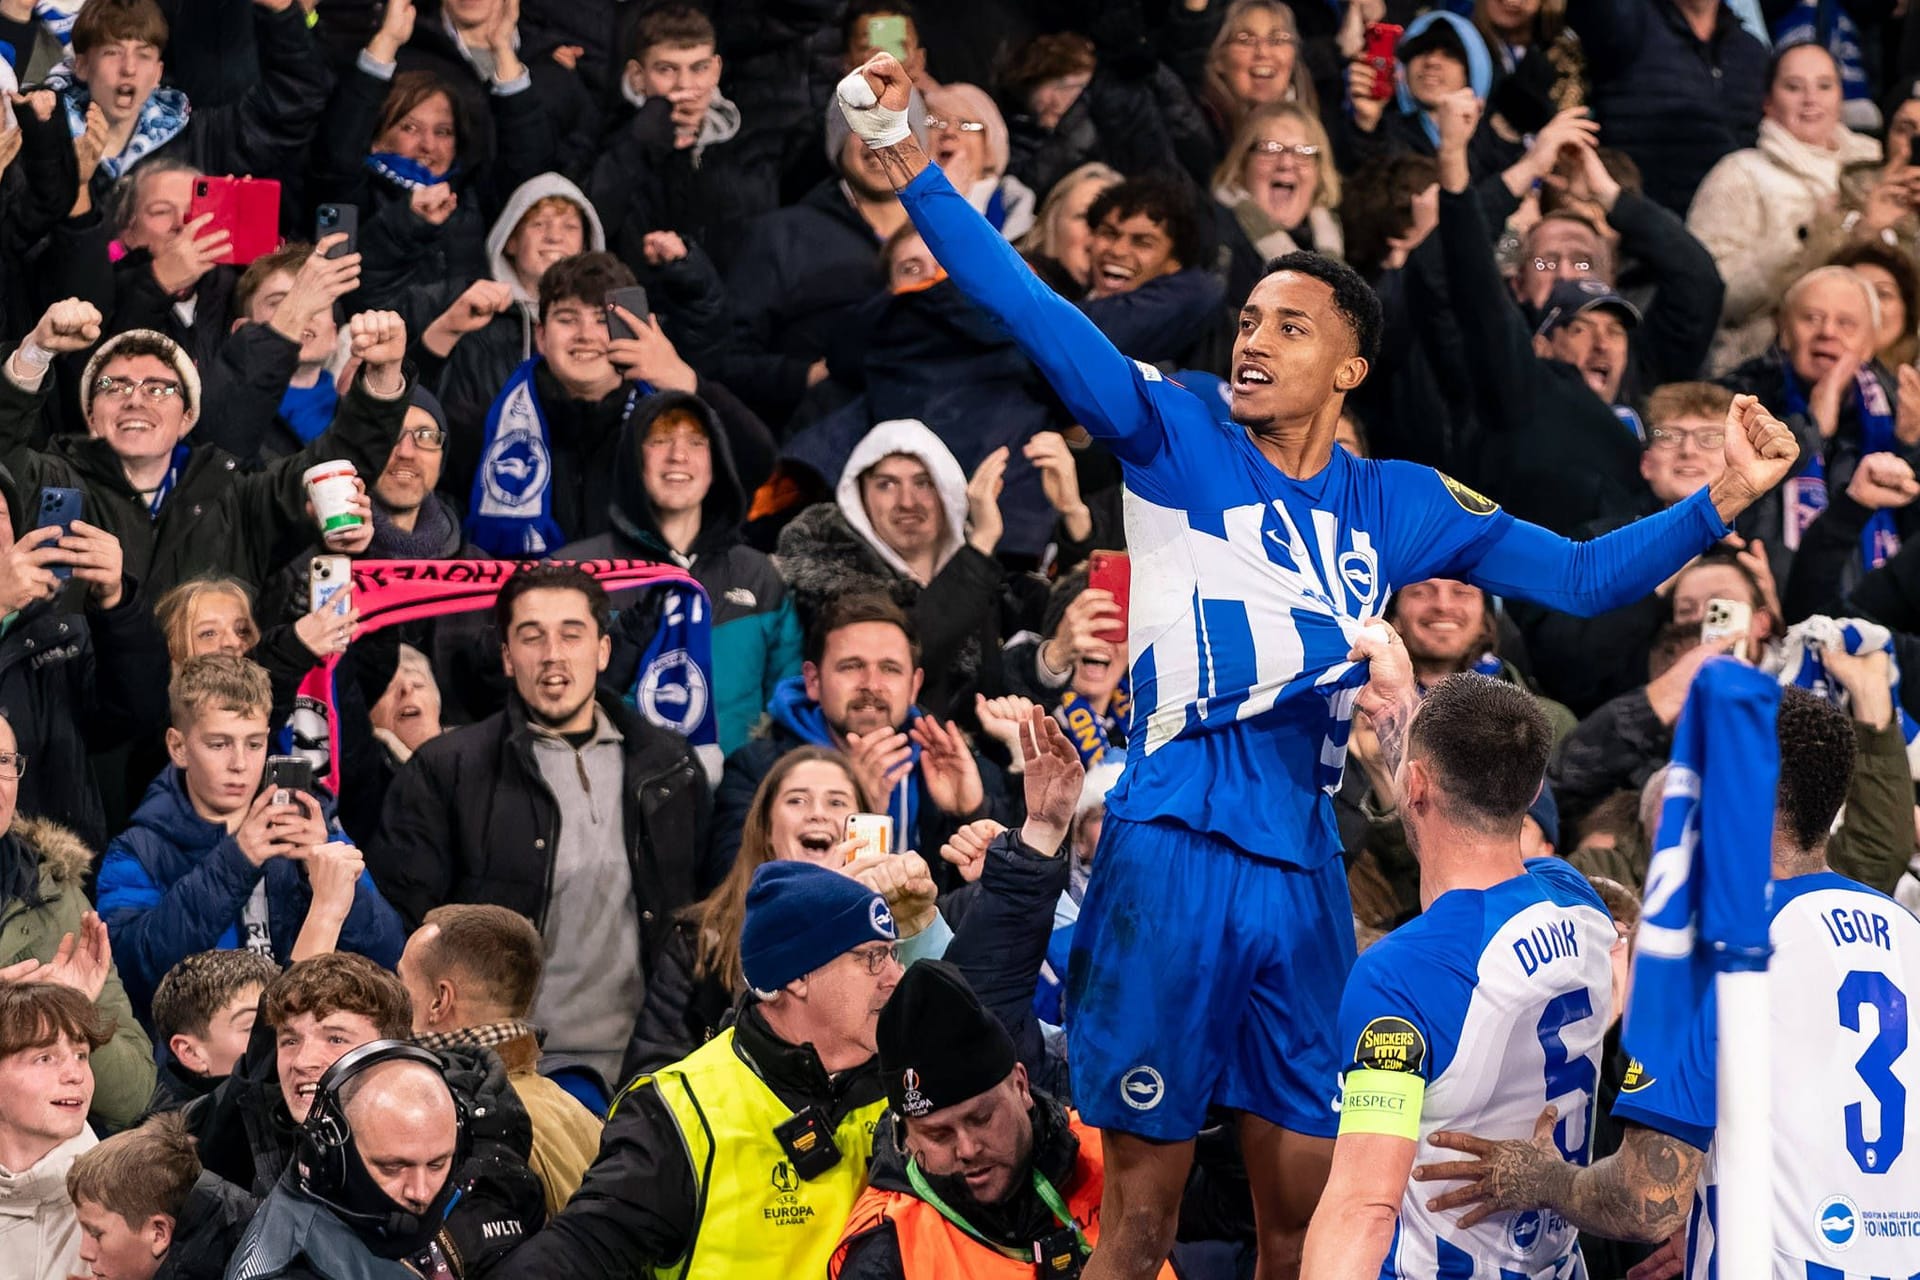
(799, 814)
(1253, 60)
(1276, 191)
(968, 140)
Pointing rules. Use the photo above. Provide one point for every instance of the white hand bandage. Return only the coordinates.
(877, 126)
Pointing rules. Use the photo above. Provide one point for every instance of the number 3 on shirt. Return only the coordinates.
(1867, 987)
(1568, 1076)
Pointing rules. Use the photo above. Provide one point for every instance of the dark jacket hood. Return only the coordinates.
(208, 1231)
(632, 513)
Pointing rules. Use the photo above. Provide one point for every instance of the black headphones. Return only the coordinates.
(326, 1138)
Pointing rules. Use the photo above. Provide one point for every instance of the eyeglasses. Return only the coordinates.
(1268, 147)
(432, 439)
(1272, 40)
(1548, 265)
(13, 766)
(938, 125)
(155, 389)
(1671, 438)
(877, 959)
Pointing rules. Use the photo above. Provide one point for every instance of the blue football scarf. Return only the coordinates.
(1807, 492)
(673, 685)
(1091, 732)
(1706, 901)
(511, 506)
(162, 117)
(407, 173)
(167, 481)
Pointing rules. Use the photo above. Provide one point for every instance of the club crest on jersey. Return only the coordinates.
(1636, 1079)
(1470, 501)
(1390, 1044)
(1838, 1222)
(1142, 1088)
(1525, 1230)
(1361, 572)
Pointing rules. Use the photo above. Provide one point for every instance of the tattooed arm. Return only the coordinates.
(1390, 696)
(1640, 1192)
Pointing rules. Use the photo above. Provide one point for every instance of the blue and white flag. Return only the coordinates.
(1705, 909)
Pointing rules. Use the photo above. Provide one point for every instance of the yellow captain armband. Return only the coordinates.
(1383, 1102)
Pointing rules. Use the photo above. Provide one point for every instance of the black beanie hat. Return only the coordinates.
(938, 1044)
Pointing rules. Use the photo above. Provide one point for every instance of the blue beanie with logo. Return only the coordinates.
(799, 916)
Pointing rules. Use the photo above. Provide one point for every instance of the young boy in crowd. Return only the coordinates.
(213, 859)
(47, 1032)
(203, 1011)
(145, 1207)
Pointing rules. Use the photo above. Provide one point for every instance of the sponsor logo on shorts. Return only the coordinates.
(1142, 1088)
(1390, 1044)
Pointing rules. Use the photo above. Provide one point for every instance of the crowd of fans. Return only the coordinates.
(612, 282)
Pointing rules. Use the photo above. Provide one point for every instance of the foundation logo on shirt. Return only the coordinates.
(1838, 1222)
(1390, 1044)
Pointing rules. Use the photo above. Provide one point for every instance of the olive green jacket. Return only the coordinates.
(123, 1067)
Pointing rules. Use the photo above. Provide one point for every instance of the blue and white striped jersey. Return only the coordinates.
(1248, 585)
(1846, 1089)
(1498, 999)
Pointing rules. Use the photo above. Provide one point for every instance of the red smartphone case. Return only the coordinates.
(1382, 39)
(1112, 572)
(247, 209)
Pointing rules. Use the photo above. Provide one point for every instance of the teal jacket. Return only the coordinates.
(756, 635)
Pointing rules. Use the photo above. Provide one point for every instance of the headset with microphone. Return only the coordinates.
(326, 1159)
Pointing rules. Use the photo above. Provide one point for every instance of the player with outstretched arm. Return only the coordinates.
(1212, 946)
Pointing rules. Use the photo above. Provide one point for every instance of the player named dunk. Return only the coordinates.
(1212, 946)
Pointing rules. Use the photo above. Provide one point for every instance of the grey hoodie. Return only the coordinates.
(524, 197)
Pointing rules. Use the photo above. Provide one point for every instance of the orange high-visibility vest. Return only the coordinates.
(931, 1248)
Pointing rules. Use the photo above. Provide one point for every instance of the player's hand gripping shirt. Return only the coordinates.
(1473, 1017)
(1846, 1089)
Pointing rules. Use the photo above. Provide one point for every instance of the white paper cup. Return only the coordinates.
(331, 489)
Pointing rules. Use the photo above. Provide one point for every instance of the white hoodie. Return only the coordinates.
(39, 1233)
(908, 436)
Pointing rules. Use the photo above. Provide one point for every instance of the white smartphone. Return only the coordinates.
(874, 831)
(330, 584)
(1728, 618)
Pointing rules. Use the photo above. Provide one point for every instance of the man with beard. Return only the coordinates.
(1450, 627)
(856, 694)
(566, 806)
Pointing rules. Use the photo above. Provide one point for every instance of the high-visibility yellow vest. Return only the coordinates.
(753, 1215)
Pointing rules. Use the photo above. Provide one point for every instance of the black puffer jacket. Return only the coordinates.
(208, 1230)
(469, 819)
(219, 519)
(1672, 101)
